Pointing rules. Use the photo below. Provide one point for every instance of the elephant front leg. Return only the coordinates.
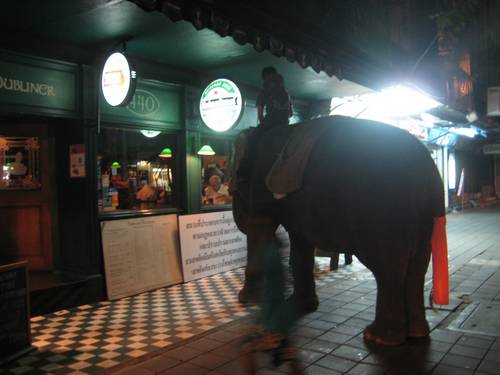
(260, 231)
(302, 262)
(390, 324)
(253, 272)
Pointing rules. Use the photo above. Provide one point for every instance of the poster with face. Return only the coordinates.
(19, 163)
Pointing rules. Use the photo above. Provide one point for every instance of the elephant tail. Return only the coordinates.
(440, 290)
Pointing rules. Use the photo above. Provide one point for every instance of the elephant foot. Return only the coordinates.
(303, 305)
(387, 337)
(248, 295)
(419, 330)
(334, 262)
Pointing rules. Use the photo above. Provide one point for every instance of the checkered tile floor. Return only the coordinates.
(92, 338)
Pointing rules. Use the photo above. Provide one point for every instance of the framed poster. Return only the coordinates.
(19, 163)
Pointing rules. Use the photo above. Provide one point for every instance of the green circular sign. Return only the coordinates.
(221, 105)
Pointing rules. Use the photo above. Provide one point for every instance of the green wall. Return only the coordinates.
(38, 85)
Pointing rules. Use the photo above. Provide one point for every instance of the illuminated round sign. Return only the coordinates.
(118, 80)
(221, 105)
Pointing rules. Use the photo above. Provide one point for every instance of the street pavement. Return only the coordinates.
(464, 339)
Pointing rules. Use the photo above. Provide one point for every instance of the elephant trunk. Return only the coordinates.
(440, 291)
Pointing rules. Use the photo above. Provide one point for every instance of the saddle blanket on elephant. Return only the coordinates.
(285, 176)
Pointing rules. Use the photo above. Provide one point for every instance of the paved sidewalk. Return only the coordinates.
(464, 338)
(195, 328)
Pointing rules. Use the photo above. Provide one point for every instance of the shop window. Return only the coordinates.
(136, 170)
(214, 173)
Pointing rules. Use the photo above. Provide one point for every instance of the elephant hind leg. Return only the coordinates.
(390, 324)
(334, 261)
(304, 296)
(415, 280)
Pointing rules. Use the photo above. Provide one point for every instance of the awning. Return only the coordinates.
(245, 23)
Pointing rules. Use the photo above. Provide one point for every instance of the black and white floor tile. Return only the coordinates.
(92, 338)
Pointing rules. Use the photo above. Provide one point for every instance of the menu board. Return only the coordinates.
(15, 332)
(140, 254)
(210, 243)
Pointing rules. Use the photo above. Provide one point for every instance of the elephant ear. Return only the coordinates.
(237, 159)
(239, 175)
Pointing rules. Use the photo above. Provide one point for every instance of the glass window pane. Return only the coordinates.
(215, 190)
(136, 170)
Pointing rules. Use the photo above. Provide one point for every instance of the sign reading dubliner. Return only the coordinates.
(118, 80)
(221, 105)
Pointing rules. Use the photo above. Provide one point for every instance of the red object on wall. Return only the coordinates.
(440, 291)
(497, 175)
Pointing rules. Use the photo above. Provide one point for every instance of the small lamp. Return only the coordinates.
(115, 164)
(150, 133)
(206, 150)
(165, 153)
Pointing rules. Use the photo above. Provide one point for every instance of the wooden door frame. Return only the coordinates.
(42, 199)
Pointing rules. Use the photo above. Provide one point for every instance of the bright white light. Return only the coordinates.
(150, 133)
(452, 174)
(386, 106)
(428, 120)
(351, 106)
(467, 132)
(399, 101)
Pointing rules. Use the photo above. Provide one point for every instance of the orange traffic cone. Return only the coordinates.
(440, 291)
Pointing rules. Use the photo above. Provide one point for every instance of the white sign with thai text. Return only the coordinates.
(140, 254)
(210, 243)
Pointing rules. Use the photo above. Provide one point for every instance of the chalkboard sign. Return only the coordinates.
(15, 331)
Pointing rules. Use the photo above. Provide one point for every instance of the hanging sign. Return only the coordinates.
(118, 80)
(221, 105)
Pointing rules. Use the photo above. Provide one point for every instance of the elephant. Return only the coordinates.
(367, 188)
